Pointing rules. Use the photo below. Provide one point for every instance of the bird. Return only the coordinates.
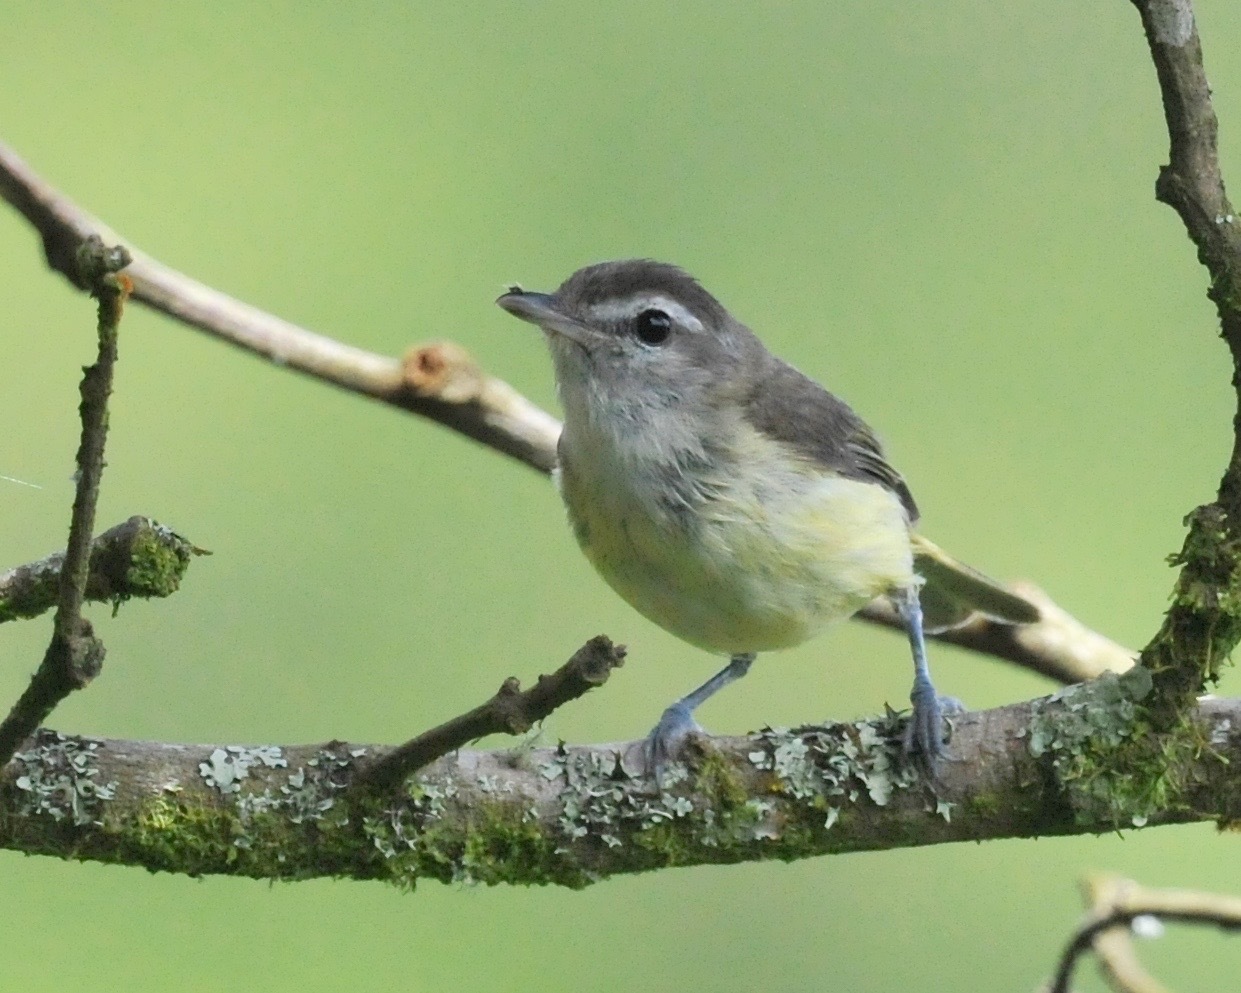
(729, 498)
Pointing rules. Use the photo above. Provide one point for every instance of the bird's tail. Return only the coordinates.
(954, 592)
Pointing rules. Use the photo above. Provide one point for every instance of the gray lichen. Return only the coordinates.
(59, 778)
(831, 766)
(1092, 734)
(601, 800)
(227, 767)
(307, 794)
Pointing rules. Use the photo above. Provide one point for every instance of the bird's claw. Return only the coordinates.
(924, 736)
(663, 745)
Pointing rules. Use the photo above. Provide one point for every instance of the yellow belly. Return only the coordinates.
(751, 567)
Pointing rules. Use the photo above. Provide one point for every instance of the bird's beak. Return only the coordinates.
(544, 310)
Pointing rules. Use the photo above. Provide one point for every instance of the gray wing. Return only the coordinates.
(955, 593)
(796, 410)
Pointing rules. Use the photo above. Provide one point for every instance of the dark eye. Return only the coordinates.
(652, 327)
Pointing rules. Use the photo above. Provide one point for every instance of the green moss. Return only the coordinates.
(500, 842)
(153, 557)
(1203, 622)
(663, 841)
(985, 805)
(502, 847)
(199, 838)
(288, 825)
(158, 560)
(1104, 755)
(244, 836)
(181, 837)
(722, 784)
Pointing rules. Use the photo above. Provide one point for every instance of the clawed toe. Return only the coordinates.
(950, 706)
(925, 732)
(663, 744)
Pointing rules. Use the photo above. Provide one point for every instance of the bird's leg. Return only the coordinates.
(924, 734)
(664, 742)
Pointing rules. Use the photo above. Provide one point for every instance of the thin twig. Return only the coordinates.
(1122, 901)
(1117, 958)
(137, 558)
(510, 711)
(74, 655)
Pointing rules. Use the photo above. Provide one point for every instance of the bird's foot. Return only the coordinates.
(663, 745)
(924, 736)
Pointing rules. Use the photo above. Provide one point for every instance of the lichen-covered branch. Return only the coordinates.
(138, 558)
(575, 815)
(1115, 905)
(510, 711)
(74, 655)
(1203, 624)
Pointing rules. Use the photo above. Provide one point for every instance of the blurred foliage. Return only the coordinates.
(942, 211)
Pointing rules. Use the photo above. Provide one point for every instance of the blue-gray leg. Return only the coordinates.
(924, 734)
(663, 744)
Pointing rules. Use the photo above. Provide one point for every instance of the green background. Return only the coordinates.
(942, 211)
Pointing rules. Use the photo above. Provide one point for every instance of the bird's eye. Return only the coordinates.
(652, 327)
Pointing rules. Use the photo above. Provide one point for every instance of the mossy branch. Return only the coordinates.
(575, 815)
(74, 655)
(138, 558)
(1203, 623)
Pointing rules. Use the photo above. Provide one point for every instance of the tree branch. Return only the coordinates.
(1117, 903)
(75, 655)
(510, 711)
(1117, 958)
(576, 815)
(437, 383)
(138, 558)
(1203, 624)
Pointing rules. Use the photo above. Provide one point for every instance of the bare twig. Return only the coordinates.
(1117, 903)
(137, 558)
(1117, 958)
(441, 382)
(489, 410)
(510, 711)
(75, 655)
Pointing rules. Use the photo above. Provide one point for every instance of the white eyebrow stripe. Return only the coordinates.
(627, 308)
